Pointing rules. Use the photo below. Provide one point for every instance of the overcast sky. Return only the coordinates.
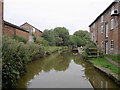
(47, 14)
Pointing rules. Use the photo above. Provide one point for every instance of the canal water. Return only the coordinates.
(63, 70)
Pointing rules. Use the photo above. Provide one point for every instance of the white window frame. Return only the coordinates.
(102, 18)
(102, 29)
(111, 44)
(106, 30)
(112, 24)
(112, 8)
(101, 44)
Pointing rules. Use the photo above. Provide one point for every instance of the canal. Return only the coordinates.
(63, 70)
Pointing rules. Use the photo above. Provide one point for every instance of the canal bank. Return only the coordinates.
(63, 70)
(107, 72)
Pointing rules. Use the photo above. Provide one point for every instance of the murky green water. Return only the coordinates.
(63, 70)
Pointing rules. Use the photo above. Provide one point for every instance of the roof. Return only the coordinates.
(31, 26)
(14, 26)
(116, 1)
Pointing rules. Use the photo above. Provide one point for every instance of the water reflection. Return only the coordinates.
(64, 69)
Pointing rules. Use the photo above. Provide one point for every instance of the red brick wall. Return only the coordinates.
(37, 32)
(112, 34)
(22, 33)
(11, 31)
(8, 30)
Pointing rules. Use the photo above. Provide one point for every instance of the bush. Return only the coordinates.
(40, 40)
(15, 56)
(13, 67)
(33, 51)
(20, 39)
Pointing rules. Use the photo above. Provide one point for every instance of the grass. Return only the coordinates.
(116, 58)
(104, 63)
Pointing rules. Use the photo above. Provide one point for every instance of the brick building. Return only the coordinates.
(32, 29)
(105, 29)
(12, 30)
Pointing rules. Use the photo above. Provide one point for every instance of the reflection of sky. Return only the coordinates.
(73, 77)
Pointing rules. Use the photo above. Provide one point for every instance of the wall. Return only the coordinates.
(112, 34)
(29, 27)
(11, 31)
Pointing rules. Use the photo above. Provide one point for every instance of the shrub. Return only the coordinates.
(33, 51)
(40, 40)
(15, 56)
(20, 39)
(13, 63)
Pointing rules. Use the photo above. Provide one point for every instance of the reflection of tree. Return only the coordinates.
(60, 62)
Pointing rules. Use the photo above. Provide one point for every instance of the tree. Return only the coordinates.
(49, 36)
(63, 35)
(82, 34)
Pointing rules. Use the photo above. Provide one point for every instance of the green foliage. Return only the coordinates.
(20, 39)
(13, 67)
(62, 33)
(80, 38)
(75, 40)
(41, 41)
(59, 36)
(84, 35)
(49, 36)
(15, 56)
(104, 63)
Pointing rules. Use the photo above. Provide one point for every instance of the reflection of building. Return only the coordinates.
(105, 30)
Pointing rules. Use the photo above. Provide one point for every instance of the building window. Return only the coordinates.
(102, 29)
(101, 44)
(94, 25)
(112, 24)
(112, 43)
(112, 9)
(102, 19)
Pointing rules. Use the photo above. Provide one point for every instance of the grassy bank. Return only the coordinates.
(116, 58)
(104, 63)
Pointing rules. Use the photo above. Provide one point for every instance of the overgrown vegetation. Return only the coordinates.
(15, 56)
(104, 63)
(20, 39)
(116, 58)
